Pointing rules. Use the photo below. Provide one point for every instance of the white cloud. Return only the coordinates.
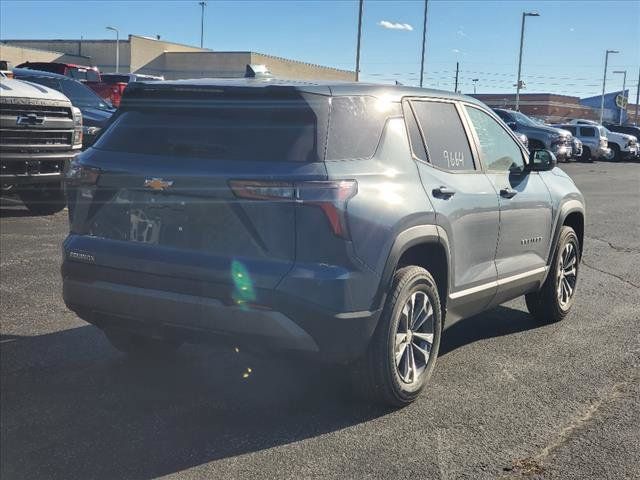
(455, 50)
(395, 26)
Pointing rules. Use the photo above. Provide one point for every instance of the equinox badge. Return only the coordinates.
(157, 184)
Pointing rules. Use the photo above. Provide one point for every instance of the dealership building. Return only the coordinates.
(139, 54)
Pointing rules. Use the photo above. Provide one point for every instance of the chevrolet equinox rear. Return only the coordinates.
(339, 221)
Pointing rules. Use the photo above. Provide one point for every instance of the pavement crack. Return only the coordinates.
(617, 248)
(534, 466)
(586, 264)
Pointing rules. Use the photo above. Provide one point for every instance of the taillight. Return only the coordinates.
(604, 143)
(330, 196)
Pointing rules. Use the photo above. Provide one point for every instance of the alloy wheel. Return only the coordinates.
(567, 274)
(414, 337)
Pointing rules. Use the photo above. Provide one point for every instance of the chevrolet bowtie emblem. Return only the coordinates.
(157, 184)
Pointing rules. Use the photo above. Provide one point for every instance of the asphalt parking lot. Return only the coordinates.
(509, 398)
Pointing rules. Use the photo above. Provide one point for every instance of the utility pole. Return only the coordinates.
(424, 40)
(475, 82)
(359, 37)
(202, 5)
(637, 96)
(519, 82)
(455, 90)
(604, 81)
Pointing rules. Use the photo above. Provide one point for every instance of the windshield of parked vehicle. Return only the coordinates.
(78, 73)
(80, 95)
(524, 120)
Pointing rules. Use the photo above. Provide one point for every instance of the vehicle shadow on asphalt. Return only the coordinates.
(74, 408)
(498, 322)
(13, 207)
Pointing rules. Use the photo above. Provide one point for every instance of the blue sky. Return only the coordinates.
(564, 47)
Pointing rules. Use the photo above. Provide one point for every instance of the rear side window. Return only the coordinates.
(447, 145)
(570, 128)
(270, 130)
(588, 131)
(356, 126)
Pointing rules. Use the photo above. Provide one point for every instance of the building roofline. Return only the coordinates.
(3, 42)
(170, 43)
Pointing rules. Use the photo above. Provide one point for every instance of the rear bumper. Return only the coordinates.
(281, 322)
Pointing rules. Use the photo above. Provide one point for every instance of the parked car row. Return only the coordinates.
(623, 146)
(577, 138)
(108, 86)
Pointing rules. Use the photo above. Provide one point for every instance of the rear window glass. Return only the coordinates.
(113, 78)
(83, 74)
(282, 130)
(356, 126)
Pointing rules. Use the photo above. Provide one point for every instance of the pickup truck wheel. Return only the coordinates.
(140, 346)
(45, 199)
(403, 351)
(617, 156)
(554, 300)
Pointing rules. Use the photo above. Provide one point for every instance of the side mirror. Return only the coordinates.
(513, 126)
(541, 161)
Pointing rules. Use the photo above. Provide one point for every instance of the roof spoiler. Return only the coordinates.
(257, 71)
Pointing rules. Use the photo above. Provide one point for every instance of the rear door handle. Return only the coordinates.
(443, 191)
(508, 192)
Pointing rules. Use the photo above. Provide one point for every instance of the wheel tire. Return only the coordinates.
(376, 375)
(545, 304)
(617, 156)
(139, 346)
(586, 154)
(45, 200)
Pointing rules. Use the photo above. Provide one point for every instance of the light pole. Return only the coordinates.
(519, 84)
(359, 37)
(424, 39)
(604, 81)
(624, 84)
(114, 29)
(202, 5)
(475, 82)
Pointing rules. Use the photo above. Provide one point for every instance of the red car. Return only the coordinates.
(118, 82)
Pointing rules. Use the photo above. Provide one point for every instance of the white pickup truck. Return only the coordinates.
(623, 146)
(40, 132)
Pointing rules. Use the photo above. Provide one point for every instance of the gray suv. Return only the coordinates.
(540, 136)
(347, 222)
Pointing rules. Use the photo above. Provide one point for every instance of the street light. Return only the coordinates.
(519, 84)
(624, 84)
(604, 81)
(202, 5)
(114, 29)
(475, 82)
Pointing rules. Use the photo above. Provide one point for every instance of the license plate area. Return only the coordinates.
(158, 219)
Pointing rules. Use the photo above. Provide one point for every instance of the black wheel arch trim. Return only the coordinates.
(567, 208)
(417, 235)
